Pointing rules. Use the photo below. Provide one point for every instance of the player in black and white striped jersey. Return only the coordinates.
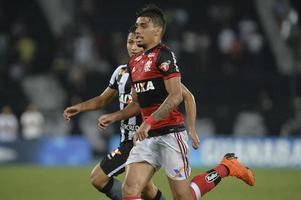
(120, 81)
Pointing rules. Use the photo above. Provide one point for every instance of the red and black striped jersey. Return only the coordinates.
(148, 71)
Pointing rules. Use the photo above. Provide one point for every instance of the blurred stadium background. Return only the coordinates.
(241, 60)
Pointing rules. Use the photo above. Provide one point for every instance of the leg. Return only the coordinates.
(180, 189)
(151, 192)
(141, 165)
(174, 150)
(112, 165)
(136, 178)
(98, 178)
(105, 184)
(230, 166)
(203, 183)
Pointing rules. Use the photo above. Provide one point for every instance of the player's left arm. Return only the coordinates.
(190, 107)
(174, 98)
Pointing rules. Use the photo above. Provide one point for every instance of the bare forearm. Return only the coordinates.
(93, 104)
(190, 108)
(100, 101)
(130, 110)
(167, 106)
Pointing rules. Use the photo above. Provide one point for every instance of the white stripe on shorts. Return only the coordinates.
(116, 170)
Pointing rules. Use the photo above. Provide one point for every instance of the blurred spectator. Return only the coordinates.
(3, 48)
(293, 125)
(32, 121)
(226, 41)
(249, 35)
(26, 49)
(8, 125)
(249, 123)
(83, 47)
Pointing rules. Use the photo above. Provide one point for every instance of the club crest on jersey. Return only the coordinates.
(147, 66)
(144, 86)
(165, 66)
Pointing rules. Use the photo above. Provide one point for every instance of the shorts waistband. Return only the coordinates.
(167, 130)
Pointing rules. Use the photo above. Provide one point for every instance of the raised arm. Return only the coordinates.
(92, 104)
(190, 108)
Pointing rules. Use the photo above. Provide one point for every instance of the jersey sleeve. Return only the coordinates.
(113, 80)
(167, 64)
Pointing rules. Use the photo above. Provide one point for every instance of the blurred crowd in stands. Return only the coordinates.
(223, 52)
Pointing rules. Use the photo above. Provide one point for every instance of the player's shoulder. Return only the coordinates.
(164, 49)
(165, 52)
(123, 66)
(119, 69)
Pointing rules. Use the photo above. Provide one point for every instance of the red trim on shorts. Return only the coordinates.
(182, 149)
(182, 141)
(185, 151)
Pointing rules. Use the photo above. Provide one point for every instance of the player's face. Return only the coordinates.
(146, 32)
(131, 45)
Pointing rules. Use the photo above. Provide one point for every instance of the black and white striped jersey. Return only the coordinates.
(120, 81)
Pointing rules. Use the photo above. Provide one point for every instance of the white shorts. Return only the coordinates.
(168, 151)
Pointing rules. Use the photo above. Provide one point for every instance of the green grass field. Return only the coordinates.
(40, 183)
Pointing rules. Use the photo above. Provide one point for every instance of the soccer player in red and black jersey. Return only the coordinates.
(104, 173)
(102, 176)
(162, 137)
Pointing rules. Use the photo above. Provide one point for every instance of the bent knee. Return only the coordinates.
(149, 191)
(131, 189)
(98, 179)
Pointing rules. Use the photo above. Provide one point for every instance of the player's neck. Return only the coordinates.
(152, 45)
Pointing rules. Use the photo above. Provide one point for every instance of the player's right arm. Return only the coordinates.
(190, 107)
(132, 109)
(95, 103)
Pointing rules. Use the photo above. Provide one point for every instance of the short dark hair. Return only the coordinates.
(132, 29)
(156, 14)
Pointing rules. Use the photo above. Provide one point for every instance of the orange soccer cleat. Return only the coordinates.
(237, 169)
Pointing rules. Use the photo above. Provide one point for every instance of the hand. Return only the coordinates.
(195, 139)
(142, 132)
(105, 120)
(71, 111)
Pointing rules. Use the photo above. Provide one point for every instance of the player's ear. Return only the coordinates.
(158, 30)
